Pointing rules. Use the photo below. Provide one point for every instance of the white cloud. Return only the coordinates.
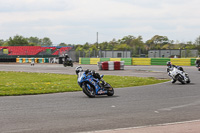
(77, 21)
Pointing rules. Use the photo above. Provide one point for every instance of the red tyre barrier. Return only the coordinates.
(104, 65)
(111, 65)
(117, 65)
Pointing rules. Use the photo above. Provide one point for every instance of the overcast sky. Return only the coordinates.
(78, 21)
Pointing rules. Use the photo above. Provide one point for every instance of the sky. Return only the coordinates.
(78, 21)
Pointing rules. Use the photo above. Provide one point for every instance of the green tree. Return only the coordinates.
(156, 42)
(46, 42)
(34, 41)
(122, 47)
(198, 47)
(166, 46)
(127, 39)
(197, 41)
(62, 44)
(17, 41)
(78, 48)
(1, 42)
(109, 47)
(114, 42)
(103, 45)
(86, 46)
(137, 46)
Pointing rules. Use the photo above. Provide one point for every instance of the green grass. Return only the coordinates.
(23, 83)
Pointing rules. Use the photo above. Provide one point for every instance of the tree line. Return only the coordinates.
(19, 40)
(130, 42)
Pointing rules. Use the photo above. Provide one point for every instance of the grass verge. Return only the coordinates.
(23, 83)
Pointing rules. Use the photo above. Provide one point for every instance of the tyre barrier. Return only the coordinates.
(7, 59)
(111, 65)
(29, 60)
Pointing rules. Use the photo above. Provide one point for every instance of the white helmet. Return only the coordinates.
(78, 69)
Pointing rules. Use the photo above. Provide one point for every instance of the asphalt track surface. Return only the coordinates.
(75, 112)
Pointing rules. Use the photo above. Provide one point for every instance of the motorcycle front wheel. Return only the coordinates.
(180, 78)
(188, 81)
(89, 90)
(110, 92)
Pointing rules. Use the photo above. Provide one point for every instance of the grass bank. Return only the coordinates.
(23, 83)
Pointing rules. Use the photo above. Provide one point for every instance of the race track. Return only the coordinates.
(75, 112)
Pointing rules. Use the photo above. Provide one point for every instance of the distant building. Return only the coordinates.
(173, 53)
(115, 54)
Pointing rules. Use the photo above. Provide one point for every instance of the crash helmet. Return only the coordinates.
(169, 63)
(66, 55)
(78, 69)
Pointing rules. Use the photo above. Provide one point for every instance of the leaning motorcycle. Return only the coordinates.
(92, 86)
(179, 75)
(198, 67)
(68, 63)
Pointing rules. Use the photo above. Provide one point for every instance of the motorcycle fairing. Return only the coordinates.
(88, 79)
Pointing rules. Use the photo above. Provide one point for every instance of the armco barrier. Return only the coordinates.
(46, 60)
(36, 60)
(29, 60)
(181, 61)
(5, 59)
(85, 60)
(23, 60)
(193, 61)
(20, 60)
(104, 59)
(80, 60)
(127, 61)
(141, 61)
(41, 60)
(94, 60)
(159, 61)
(115, 59)
(17, 60)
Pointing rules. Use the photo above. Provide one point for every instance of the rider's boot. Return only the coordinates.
(173, 81)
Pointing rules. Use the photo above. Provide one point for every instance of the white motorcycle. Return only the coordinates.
(179, 75)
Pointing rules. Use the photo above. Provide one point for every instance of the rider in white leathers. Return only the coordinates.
(170, 68)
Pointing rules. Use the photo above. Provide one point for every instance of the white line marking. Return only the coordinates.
(180, 106)
(129, 128)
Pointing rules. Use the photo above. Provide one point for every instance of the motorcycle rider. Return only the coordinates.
(170, 68)
(67, 61)
(197, 62)
(79, 71)
(66, 58)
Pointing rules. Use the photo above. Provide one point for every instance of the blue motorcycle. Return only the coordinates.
(92, 86)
